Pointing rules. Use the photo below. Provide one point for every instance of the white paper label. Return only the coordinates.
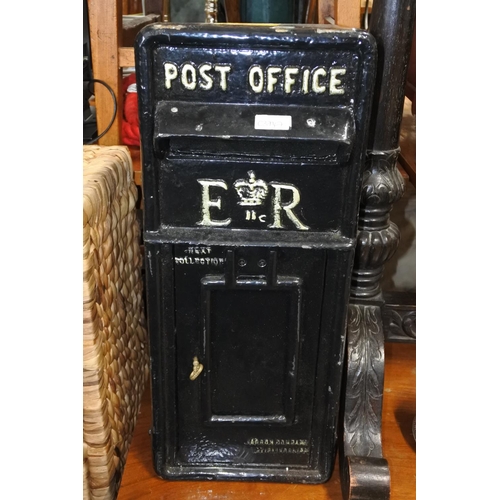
(273, 122)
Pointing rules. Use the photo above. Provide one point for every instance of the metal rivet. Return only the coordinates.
(174, 110)
(242, 262)
(311, 122)
(199, 127)
(262, 263)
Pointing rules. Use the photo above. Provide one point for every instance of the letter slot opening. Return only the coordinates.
(326, 134)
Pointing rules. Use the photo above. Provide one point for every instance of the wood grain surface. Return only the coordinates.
(105, 24)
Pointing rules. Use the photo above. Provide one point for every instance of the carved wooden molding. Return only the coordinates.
(400, 325)
(383, 184)
(365, 381)
(399, 315)
(364, 471)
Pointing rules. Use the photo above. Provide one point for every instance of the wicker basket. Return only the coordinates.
(115, 351)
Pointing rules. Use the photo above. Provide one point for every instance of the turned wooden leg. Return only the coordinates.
(364, 471)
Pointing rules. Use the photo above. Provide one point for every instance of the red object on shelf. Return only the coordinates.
(130, 121)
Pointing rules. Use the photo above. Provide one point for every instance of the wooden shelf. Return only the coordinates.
(140, 481)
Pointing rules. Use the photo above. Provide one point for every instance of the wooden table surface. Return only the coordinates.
(140, 481)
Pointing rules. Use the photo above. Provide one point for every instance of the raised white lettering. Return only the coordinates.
(317, 72)
(207, 81)
(334, 81)
(279, 206)
(305, 81)
(188, 76)
(207, 203)
(171, 73)
(223, 70)
(256, 79)
(271, 79)
(289, 80)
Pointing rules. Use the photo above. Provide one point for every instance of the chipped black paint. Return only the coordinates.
(252, 142)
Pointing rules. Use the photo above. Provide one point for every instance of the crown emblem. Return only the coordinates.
(252, 192)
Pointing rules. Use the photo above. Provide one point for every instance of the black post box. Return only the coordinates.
(253, 141)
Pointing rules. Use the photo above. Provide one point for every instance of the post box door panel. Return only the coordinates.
(254, 328)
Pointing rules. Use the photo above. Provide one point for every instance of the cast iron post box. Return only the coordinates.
(253, 140)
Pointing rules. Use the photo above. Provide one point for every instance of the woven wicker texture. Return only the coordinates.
(115, 351)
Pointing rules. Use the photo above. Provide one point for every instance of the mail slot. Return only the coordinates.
(253, 140)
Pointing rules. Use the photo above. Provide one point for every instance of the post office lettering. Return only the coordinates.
(192, 76)
(271, 79)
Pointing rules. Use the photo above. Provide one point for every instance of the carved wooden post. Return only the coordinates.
(365, 473)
